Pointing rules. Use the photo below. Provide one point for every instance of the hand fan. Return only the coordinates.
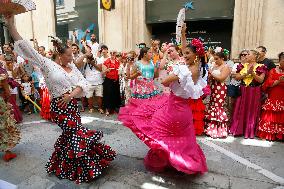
(13, 7)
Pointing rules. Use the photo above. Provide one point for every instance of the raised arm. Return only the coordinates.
(183, 38)
(24, 49)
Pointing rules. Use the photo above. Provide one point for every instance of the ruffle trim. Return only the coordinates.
(195, 91)
(216, 114)
(273, 105)
(145, 96)
(270, 136)
(217, 130)
(83, 169)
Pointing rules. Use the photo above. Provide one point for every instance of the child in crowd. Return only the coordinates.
(27, 91)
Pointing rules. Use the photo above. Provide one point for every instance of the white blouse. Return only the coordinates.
(57, 79)
(185, 87)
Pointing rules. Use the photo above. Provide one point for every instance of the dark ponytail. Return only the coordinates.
(59, 48)
(203, 65)
(143, 51)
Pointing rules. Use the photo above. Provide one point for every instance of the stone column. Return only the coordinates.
(258, 22)
(125, 26)
(39, 23)
(247, 26)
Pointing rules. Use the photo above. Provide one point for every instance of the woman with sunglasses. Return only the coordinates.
(248, 104)
(271, 124)
(129, 83)
(234, 90)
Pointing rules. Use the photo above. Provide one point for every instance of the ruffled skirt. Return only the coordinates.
(216, 118)
(45, 104)
(78, 156)
(9, 133)
(198, 112)
(15, 109)
(271, 124)
(164, 124)
(144, 88)
(246, 112)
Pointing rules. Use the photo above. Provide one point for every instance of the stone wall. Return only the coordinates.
(39, 23)
(258, 22)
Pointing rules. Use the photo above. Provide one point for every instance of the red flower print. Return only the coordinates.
(79, 170)
(104, 163)
(82, 144)
(70, 154)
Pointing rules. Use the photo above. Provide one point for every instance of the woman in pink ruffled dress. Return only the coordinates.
(164, 122)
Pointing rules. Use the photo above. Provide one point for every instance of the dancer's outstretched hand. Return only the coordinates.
(64, 101)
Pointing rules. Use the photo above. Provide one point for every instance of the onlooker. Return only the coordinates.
(271, 124)
(247, 108)
(111, 91)
(262, 58)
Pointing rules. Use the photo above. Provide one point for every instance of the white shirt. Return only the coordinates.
(185, 87)
(93, 76)
(57, 79)
(27, 88)
(94, 47)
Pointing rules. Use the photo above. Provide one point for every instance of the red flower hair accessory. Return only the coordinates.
(199, 47)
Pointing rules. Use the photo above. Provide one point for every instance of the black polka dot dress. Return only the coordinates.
(78, 154)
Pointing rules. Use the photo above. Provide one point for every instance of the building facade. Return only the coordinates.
(233, 24)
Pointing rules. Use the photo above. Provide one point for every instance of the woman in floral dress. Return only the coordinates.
(216, 117)
(9, 134)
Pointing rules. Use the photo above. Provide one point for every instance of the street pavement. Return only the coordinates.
(233, 163)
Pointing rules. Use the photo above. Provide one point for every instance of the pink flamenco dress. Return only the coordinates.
(164, 123)
(271, 123)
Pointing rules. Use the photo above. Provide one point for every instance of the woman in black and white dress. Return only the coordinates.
(78, 154)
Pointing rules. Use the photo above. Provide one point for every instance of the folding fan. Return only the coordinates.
(13, 7)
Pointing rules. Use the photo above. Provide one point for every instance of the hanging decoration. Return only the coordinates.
(107, 4)
(13, 7)
(181, 19)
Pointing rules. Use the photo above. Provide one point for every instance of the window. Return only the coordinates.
(59, 3)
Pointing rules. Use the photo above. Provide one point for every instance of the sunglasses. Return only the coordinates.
(244, 54)
(130, 58)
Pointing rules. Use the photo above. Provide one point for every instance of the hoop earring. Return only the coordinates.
(196, 60)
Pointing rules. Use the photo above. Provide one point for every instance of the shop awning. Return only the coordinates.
(159, 11)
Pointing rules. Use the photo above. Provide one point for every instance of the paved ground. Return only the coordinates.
(234, 163)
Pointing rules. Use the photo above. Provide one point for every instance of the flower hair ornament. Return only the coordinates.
(200, 51)
(220, 49)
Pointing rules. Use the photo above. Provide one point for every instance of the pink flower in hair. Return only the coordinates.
(199, 47)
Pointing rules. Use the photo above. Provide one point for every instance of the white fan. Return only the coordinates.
(13, 7)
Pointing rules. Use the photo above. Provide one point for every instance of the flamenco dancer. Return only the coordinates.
(164, 122)
(9, 134)
(78, 154)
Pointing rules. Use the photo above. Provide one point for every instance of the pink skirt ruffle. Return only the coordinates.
(164, 123)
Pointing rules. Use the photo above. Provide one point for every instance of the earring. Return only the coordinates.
(196, 60)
